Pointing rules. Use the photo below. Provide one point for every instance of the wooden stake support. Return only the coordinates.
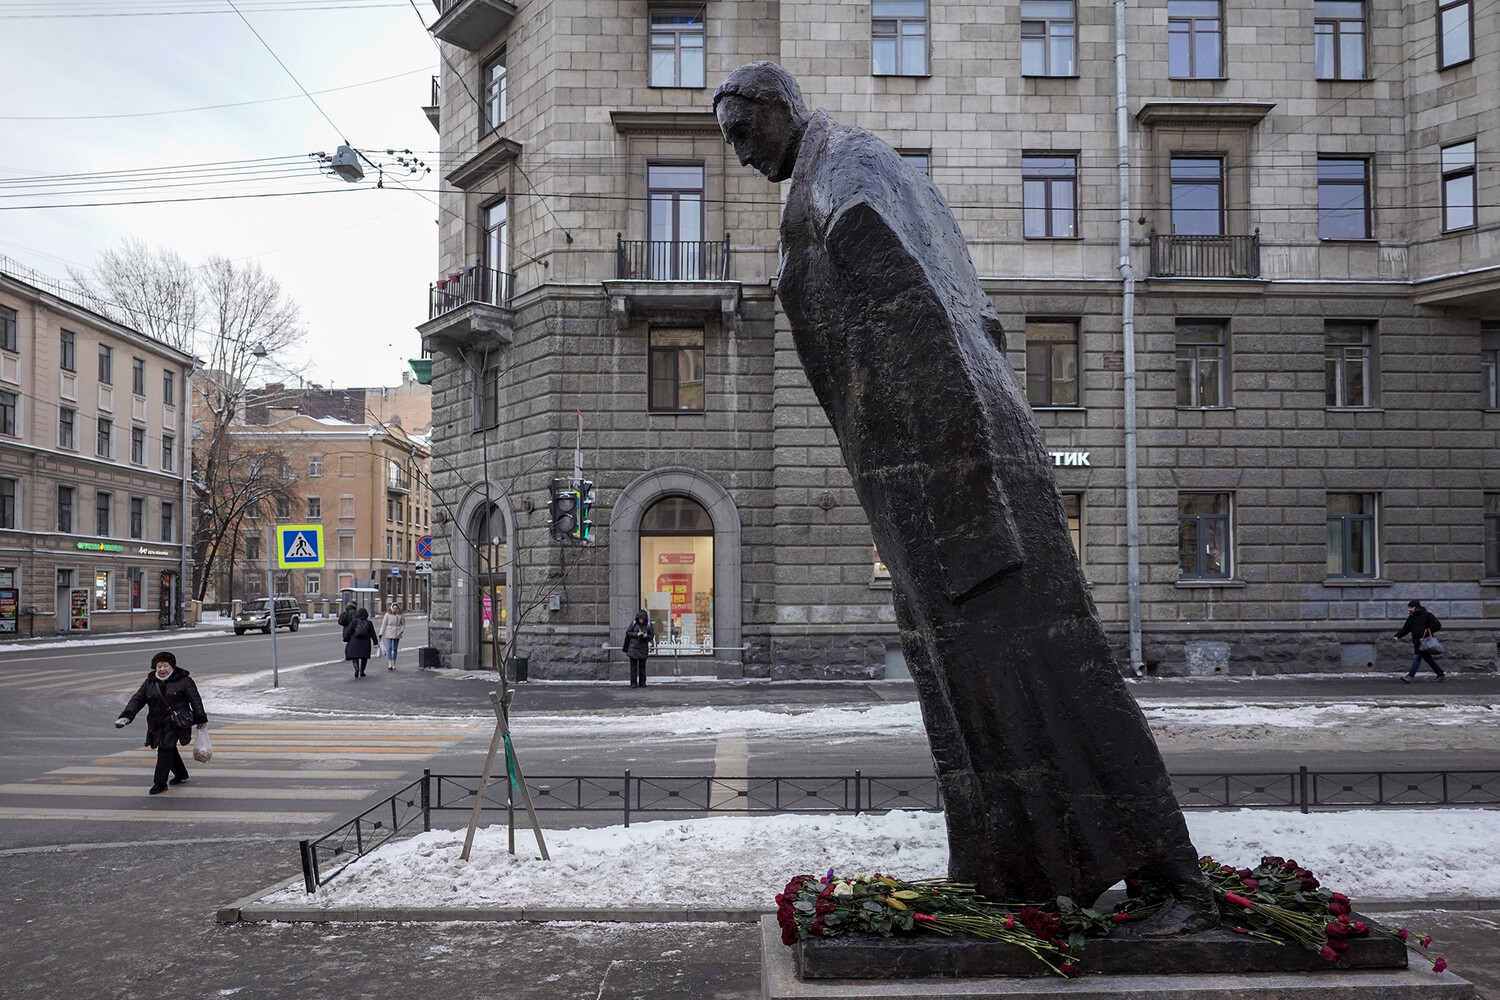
(502, 730)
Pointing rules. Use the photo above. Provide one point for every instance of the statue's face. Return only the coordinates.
(761, 135)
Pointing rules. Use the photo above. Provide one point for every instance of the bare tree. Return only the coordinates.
(153, 290)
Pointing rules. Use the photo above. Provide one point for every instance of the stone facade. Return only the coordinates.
(796, 590)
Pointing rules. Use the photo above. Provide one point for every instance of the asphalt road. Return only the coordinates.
(110, 893)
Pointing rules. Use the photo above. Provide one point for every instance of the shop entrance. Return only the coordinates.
(492, 611)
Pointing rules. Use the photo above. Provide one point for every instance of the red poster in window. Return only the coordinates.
(676, 559)
(680, 586)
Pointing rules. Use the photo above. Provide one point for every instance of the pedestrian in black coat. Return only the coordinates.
(638, 637)
(359, 638)
(173, 709)
(1420, 623)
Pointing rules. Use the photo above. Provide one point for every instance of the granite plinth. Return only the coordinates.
(924, 955)
(779, 981)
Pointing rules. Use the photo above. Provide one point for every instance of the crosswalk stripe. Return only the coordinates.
(197, 791)
(154, 815)
(221, 771)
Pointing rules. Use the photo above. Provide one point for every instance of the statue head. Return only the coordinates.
(762, 115)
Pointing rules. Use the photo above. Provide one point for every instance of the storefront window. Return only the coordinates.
(101, 590)
(677, 575)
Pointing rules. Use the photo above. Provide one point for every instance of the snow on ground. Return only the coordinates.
(742, 862)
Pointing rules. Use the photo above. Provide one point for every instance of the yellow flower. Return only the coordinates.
(907, 894)
(894, 903)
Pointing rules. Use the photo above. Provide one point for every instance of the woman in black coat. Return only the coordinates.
(638, 636)
(1420, 622)
(359, 638)
(173, 709)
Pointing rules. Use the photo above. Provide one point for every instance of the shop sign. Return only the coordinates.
(143, 551)
(1070, 458)
(10, 608)
(78, 609)
(100, 547)
(676, 558)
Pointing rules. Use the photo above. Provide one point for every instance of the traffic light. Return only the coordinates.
(562, 511)
(584, 531)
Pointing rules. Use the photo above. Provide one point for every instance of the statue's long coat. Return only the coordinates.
(1052, 782)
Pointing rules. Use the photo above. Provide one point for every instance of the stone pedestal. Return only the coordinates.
(779, 978)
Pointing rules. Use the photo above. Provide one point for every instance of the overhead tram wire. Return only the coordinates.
(40, 11)
(338, 131)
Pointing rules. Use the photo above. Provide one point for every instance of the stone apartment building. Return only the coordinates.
(1283, 413)
(366, 482)
(93, 493)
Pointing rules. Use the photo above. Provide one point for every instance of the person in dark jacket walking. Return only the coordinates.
(359, 637)
(173, 709)
(1419, 623)
(638, 637)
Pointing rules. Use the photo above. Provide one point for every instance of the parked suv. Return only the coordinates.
(256, 614)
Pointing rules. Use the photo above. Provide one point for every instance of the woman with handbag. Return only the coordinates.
(359, 638)
(1420, 624)
(173, 709)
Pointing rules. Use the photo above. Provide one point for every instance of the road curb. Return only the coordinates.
(249, 910)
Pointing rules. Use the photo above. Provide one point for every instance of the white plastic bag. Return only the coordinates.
(203, 747)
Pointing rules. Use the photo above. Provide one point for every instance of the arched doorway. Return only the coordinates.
(677, 574)
(491, 613)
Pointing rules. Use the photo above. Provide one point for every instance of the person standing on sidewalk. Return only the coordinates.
(638, 636)
(174, 707)
(392, 624)
(1420, 623)
(359, 637)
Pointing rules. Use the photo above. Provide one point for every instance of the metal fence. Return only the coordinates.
(630, 796)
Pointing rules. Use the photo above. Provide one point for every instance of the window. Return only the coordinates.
(676, 370)
(1455, 32)
(677, 574)
(489, 395)
(1073, 509)
(101, 590)
(252, 548)
(314, 465)
(168, 388)
(283, 508)
(898, 37)
(68, 360)
(388, 545)
(1202, 369)
(1203, 536)
(168, 450)
(1195, 34)
(9, 329)
(137, 578)
(167, 512)
(1049, 197)
(138, 376)
(314, 508)
(1459, 193)
(8, 403)
(1048, 32)
(677, 47)
(1489, 361)
(1343, 199)
(1492, 536)
(492, 83)
(137, 517)
(1339, 39)
(101, 513)
(1347, 353)
(1351, 535)
(1197, 196)
(138, 445)
(1051, 363)
(67, 423)
(7, 503)
(675, 221)
(922, 162)
(313, 585)
(496, 284)
(285, 469)
(106, 365)
(65, 495)
(104, 446)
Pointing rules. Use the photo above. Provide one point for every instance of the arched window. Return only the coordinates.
(677, 574)
(487, 535)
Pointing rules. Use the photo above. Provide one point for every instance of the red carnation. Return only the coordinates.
(1339, 905)
(1240, 930)
(1120, 918)
(1329, 954)
(1426, 940)
(1071, 971)
(1440, 965)
(1361, 928)
(1010, 923)
(1401, 933)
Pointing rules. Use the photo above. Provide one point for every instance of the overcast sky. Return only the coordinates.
(131, 90)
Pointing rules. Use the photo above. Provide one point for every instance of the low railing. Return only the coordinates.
(1175, 256)
(671, 260)
(631, 795)
(472, 284)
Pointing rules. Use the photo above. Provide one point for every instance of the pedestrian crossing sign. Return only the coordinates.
(299, 546)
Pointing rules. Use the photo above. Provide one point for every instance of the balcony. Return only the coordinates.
(467, 307)
(673, 276)
(434, 110)
(471, 24)
(1175, 256)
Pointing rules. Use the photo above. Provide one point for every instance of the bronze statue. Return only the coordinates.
(1052, 782)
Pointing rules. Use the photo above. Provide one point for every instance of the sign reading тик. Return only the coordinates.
(1069, 457)
(299, 546)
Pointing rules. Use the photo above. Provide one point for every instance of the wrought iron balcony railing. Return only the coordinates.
(672, 260)
(1176, 256)
(472, 284)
